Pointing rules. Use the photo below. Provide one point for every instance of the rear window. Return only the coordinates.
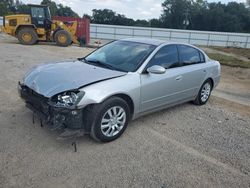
(189, 55)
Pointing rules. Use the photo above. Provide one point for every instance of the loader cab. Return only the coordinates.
(40, 16)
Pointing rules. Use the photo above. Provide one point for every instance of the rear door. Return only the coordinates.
(192, 70)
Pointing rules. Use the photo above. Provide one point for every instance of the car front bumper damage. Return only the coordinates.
(54, 117)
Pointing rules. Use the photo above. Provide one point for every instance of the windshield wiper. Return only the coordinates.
(99, 63)
(102, 64)
(82, 59)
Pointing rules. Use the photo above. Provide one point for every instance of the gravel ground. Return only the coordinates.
(183, 146)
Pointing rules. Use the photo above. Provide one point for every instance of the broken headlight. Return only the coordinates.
(67, 99)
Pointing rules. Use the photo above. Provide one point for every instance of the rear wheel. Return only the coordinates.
(204, 93)
(63, 38)
(27, 36)
(110, 119)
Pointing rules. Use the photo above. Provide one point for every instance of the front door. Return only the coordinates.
(162, 89)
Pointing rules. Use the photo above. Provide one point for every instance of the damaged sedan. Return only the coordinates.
(123, 80)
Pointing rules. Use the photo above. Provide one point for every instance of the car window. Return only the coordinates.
(166, 57)
(202, 57)
(189, 55)
(122, 55)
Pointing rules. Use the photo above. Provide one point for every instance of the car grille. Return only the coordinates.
(39, 102)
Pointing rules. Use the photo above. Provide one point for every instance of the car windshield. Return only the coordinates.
(121, 55)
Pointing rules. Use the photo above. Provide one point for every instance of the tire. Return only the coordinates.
(63, 38)
(103, 125)
(204, 93)
(27, 36)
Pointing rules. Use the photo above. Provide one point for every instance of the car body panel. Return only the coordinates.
(128, 85)
(132, 87)
(175, 84)
(54, 78)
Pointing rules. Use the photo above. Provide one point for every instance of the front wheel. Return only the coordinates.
(204, 93)
(63, 38)
(110, 119)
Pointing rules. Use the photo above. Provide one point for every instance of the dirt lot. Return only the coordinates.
(184, 146)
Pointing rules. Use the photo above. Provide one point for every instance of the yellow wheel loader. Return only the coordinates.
(38, 26)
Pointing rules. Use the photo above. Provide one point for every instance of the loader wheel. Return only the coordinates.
(63, 38)
(27, 36)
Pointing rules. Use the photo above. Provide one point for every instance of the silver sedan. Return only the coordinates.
(121, 81)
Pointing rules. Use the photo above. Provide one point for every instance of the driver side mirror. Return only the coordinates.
(156, 69)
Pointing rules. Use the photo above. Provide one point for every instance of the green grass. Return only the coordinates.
(229, 61)
(238, 51)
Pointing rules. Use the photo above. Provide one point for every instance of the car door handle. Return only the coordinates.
(178, 78)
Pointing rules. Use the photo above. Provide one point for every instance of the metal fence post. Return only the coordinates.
(170, 35)
(208, 40)
(96, 32)
(247, 42)
(227, 40)
(189, 37)
(114, 32)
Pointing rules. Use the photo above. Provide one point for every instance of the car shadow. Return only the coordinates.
(160, 113)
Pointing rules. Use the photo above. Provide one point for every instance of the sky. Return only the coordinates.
(136, 9)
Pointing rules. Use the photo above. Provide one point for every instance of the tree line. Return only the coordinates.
(8, 7)
(176, 14)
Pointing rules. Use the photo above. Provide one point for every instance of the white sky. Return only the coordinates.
(136, 9)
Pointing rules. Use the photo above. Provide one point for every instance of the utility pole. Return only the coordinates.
(186, 21)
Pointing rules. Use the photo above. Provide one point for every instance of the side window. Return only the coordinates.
(189, 55)
(202, 57)
(167, 57)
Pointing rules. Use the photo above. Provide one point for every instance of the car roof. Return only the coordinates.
(149, 41)
(157, 42)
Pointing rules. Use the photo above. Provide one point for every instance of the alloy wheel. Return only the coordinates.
(113, 121)
(205, 92)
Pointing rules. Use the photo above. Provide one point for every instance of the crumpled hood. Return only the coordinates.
(51, 79)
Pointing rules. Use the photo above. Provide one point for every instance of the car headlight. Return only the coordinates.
(68, 99)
